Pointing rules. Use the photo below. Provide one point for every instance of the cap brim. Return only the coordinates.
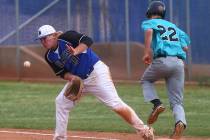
(38, 38)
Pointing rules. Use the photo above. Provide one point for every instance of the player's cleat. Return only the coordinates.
(149, 134)
(178, 130)
(155, 113)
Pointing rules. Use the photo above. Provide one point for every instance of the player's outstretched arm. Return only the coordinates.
(79, 49)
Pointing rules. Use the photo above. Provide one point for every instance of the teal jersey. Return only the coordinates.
(168, 39)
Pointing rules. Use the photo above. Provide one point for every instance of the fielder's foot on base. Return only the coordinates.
(178, 130)
(155, 113)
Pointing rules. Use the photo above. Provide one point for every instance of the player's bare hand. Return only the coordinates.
(147, 59)
(74, 77)
(68, 76)
(71, 49)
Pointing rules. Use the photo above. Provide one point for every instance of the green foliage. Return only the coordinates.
(31, 105)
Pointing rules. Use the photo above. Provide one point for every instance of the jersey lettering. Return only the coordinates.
(171, 36)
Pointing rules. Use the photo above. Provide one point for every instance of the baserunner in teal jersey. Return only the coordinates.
(165, 50)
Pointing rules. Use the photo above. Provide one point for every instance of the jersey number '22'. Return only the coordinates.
(171, 36)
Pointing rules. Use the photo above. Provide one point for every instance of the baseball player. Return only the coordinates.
(165, 50)
(70, 56)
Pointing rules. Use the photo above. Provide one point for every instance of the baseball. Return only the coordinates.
(27, 64)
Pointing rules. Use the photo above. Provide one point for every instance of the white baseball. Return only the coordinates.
(27, 64)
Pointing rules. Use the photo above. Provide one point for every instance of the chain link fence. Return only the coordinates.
(105, 21)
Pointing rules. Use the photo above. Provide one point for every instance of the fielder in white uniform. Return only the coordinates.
(95, 75)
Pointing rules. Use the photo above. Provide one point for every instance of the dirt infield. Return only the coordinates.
(27, 134)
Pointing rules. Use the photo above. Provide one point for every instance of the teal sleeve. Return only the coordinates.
(184, 39)
(146, 25)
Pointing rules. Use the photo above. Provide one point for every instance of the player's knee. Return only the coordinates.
(58, 100)
(63, 103)
(141, 81)
(58, 103)
(144, 82)
(118, 105)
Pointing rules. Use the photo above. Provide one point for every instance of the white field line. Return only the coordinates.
(45, 134)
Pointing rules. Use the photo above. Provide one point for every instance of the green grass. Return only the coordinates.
(31, 105)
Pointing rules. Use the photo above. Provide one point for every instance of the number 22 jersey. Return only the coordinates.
(167, 39)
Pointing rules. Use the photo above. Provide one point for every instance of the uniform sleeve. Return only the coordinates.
(76, 38)
(148, 24)
(184, 39)
(56, 65)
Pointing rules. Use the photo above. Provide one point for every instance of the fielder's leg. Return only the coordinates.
(63, 107)
(130, 116)
(100, 84)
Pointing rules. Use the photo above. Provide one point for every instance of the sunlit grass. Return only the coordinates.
(31, 105)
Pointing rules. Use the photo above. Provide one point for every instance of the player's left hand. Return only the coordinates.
(74, 89)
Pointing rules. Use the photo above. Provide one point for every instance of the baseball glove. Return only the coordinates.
(74, 89)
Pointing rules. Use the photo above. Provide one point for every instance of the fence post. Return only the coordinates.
(90, 29)
(189, 54)
(128, 61)
(171, 10)
(17, 40)
(69, 14)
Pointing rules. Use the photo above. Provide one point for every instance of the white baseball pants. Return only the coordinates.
(99, 84)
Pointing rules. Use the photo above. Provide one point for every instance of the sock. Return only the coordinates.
(156, 102)
(182, 122)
